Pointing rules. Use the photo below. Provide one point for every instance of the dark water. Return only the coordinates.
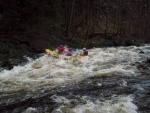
(110, 88)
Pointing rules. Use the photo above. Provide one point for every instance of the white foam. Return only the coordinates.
(119, 104)
(52, 71)
(31, 110)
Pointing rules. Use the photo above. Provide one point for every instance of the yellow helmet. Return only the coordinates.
(84, 48)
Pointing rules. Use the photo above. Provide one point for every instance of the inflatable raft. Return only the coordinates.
(56, 55)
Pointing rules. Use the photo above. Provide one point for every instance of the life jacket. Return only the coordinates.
(85, 53)
(60, 49)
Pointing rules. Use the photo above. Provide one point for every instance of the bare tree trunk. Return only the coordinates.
(106, 23)
(124, 20)
(93, 18)
(73, 18)
(139, 20)
(118, 28)
(70, 19)
(129, 19)
(87, 22)
(93, 21)
(65, 11)
(40, 16)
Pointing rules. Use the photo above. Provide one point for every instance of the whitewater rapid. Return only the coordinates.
(47, 71)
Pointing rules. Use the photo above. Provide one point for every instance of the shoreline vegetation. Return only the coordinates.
(28, 27)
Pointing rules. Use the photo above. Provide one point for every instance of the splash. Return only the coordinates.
(38, 77)
(48, 71)
(121, 104)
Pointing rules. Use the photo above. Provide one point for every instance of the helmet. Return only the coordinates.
(84, 48)
(61, 45)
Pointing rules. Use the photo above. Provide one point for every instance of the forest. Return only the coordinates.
(33, 25)
(72, 19)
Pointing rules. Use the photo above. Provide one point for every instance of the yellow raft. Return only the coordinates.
(54, 54)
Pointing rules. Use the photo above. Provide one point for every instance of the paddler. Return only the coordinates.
(84, 52)
(60, 49)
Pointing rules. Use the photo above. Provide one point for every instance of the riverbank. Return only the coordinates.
(14, 49)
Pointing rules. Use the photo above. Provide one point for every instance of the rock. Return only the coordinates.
(141, 52)
(148, 61)
(6, 65)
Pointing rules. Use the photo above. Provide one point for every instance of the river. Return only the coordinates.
(109, 80)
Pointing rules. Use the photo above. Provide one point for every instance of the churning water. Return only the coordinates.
(48, 74)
